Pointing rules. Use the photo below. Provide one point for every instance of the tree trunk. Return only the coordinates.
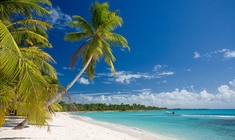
(79, 74)
(58, 95)
(21, 125)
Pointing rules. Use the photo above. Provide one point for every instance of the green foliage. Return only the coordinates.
(27, 79)
(98, 37)
(12, 8)
(104, 107)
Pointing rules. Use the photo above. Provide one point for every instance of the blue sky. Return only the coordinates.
(182, 53)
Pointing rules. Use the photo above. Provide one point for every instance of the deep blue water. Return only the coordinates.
(216, 124)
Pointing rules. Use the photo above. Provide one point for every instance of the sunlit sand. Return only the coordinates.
(67, 127)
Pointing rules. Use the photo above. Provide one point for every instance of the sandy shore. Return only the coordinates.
(67, 127)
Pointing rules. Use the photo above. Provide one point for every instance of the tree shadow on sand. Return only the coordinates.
(13, 138)
(12, 121)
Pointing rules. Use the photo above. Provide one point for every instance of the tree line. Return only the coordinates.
(106, 107)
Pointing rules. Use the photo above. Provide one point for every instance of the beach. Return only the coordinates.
(65, 126)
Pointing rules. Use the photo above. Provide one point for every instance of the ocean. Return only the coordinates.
(188, 124)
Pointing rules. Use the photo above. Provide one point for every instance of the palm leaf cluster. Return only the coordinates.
(27, 79)
(98, 36)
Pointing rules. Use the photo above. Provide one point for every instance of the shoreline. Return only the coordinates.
(65, 126)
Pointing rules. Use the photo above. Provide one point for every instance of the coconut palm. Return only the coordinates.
(22, 7)
(27, 80)
(98, 38)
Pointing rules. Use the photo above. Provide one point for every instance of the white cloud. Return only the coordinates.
(66, 68)
(175, 99)
(157, 67)
(166, 73)
(226, 53)
(83, 81)
(232, 82)
(229, 54)
(57, 18)
(60, 74)
(220, 51)
(127, 77)
(196, 55)
(160, 71)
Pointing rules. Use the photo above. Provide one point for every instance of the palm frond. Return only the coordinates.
(32, 93)
(40, 59)
(47, 2)
(9, 53)
(74, 57)
(55, 107)
(9, 64)
(25, 7)
(90, 72)
(99, 14)
(7, 40)
(112, 22)
(116, 39)
(2, 116)
(30, 23)
(81, 23)
(76, 36)
(95, 48)
(6, 97)
(108, 55)
(35, 39)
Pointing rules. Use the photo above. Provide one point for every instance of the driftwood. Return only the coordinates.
(20, 125)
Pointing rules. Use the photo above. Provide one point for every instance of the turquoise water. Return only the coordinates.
(184, 124)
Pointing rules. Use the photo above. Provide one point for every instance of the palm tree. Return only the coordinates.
(9, 8)
(27, 80)
(98, 38)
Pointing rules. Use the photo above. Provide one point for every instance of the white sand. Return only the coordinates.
(67, 127)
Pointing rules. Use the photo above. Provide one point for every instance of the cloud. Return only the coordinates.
(157, 67)
(229, 54)
(160, 71)
(57, 18)
(175, 99)
(226, 53)
(83, 81)
(196, 55)
(124, 77)
(232, 82)
(60, 74)
(166, 73)
(127, 77)
(66, 68)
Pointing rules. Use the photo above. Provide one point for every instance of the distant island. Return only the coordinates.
(66, 107)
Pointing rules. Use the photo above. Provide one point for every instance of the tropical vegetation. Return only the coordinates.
(98, 37)
(28, 82)
(104, 107)
(27, 79)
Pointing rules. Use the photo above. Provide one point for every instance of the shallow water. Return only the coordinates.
(216, 124)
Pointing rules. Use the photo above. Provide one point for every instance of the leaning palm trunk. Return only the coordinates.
(79, 74)
(58, 95)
